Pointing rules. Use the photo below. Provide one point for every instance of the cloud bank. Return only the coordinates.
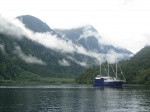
(121, 23)
(9, 28)
(18, 30)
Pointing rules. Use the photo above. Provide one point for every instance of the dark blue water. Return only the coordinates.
(73, 98)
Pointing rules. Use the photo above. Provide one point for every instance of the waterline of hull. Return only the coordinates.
(108, 84)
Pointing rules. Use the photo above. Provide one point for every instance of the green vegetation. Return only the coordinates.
(12, 66)
(14, 69)
(30, 77)
(136, 70)
(17, 56)
(87, 76)
(41, 80)
(11, 73)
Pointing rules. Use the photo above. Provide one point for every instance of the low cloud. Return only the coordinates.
(2, 47)
(63, 62)
(56, 43)
(28, 58)
(84, 64)
(87, 32)
(113, 56)
(52, 41)
(9, 28)
(17, 29)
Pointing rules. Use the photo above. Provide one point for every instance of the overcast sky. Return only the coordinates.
(123, 23)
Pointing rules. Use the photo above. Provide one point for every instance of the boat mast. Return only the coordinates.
(108, 69)
(116, 69)
(100, 69)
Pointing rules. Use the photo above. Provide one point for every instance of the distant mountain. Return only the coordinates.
(90, 39)
(34, 23)
(86, 36)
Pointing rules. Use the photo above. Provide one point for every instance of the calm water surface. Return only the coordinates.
(73, 98)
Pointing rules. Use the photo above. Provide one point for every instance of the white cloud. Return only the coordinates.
(28, 58)
(84, 64)
(8, 28)
(2, 47)
(63, 62)
(87, 32)
(113, 56)
(49, 41)
(117, 21)
(53, 42)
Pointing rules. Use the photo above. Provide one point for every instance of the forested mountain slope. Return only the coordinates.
(36, 50)
(136, 70)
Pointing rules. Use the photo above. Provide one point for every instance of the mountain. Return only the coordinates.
(44, 52)
(136, 69)
(24, 55)
(90, 39)
(34, 23)
(86, 36)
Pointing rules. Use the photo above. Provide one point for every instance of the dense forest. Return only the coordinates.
(12, 67)
(136, 70)
(17, 56)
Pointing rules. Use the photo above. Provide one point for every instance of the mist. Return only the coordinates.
(28, 58)
(8, 27)
(63, 62)
(17, 29)
(87, 32)
(2, 48)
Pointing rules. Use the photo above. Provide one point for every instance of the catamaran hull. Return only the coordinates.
(99, 83)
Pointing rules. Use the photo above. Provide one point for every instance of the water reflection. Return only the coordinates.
(73, 98)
